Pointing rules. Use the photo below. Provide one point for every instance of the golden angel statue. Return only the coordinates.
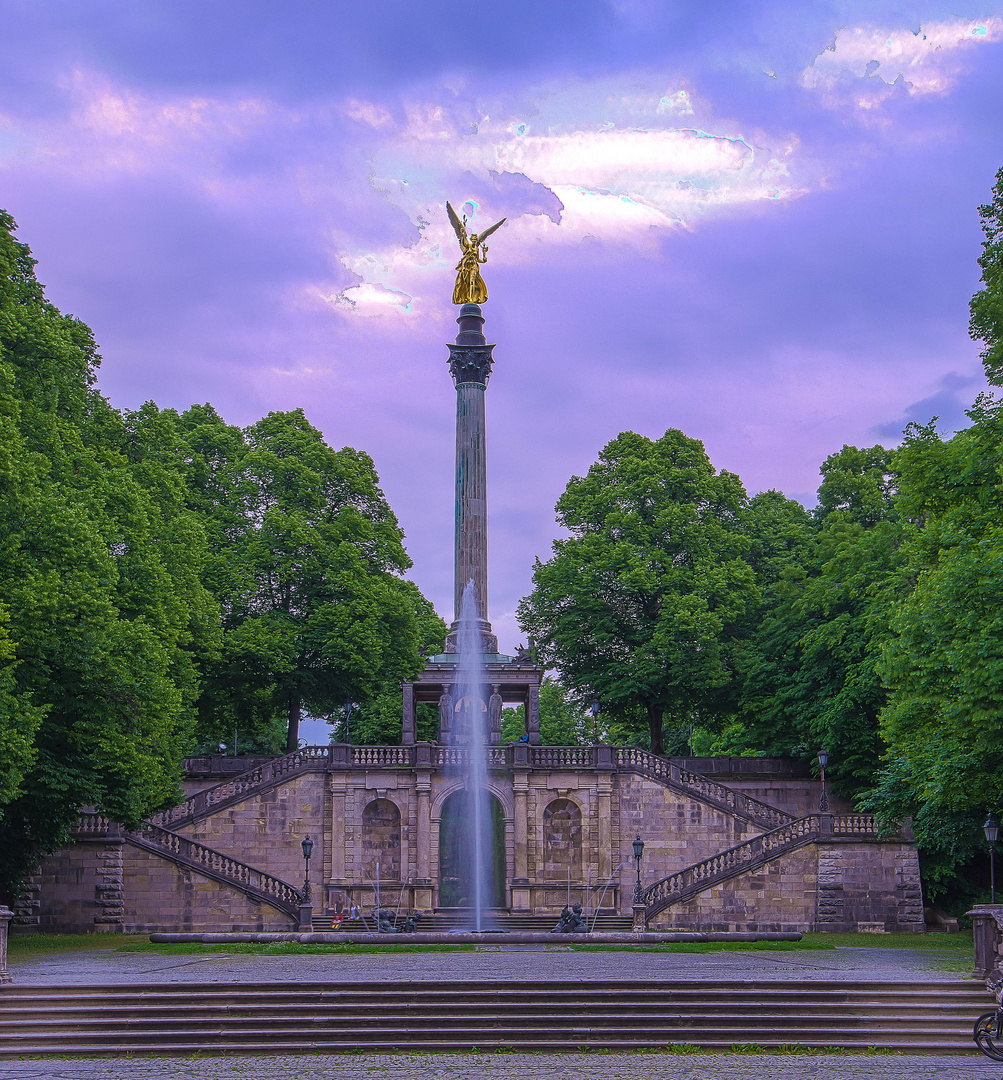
(470, 287)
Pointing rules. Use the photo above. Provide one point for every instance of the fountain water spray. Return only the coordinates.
(477, 833)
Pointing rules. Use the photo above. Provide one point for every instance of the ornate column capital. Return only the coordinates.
(470, 363)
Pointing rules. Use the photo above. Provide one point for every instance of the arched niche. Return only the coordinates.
(456, 861)
(562, 840)
(381, 840)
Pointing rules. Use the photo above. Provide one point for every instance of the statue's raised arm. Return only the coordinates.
(470, 287)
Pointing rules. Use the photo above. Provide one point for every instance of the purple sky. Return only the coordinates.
(753, 221)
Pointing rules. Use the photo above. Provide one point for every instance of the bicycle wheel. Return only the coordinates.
(988, 1034)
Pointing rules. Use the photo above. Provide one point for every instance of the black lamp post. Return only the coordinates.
(992, 831)
(823, 800)
(638, 852)
(307, 847)
(596, 706)
(348, 712)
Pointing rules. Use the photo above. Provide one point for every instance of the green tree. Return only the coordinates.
(987, 304)
(809, 672)
(308, 568)
(638, 604)
(563, 720)
(99, 584)
(943, 661)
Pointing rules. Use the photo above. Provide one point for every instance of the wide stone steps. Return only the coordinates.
(340, 1017)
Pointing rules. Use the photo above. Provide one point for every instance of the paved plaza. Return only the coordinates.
(554, 963)
(520, 1067)
(518, 962)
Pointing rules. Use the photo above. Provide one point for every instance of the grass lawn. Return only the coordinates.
(954, 950)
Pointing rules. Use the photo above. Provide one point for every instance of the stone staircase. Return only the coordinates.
(190, 854)
(253, 1018)
(743, 858)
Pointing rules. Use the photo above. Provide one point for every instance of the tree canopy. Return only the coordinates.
(637, 605)
(165, 578)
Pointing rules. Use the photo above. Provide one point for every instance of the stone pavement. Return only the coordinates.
(526, 962)
(519, 1067)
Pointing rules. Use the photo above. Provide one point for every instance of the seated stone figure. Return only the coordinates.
(410, 924)
(571, 921)
(385, 923)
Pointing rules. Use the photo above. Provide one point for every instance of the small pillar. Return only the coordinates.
(987, 935)
(408, 719)
(533, 714)
(5, 917)
(306, 918)
(639, 924)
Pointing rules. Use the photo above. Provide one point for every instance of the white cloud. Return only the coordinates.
(864, 63)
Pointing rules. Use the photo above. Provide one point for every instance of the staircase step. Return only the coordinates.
(455, 1015)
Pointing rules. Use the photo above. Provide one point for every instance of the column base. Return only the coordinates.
(488, 641)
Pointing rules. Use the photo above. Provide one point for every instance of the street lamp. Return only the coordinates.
(638, 852)
(348, 712)
(992, 831)
(307, 847)
(823, 801)
(596, 706)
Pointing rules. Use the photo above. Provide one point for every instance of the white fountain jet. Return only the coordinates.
(472, 731)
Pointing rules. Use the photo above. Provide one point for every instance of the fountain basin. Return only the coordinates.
(667, 937)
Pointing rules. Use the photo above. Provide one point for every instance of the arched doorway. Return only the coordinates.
(456, 861)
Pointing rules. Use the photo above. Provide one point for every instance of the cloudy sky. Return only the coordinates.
(754, 221)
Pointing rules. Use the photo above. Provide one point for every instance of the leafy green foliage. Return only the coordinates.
(987, 304)
(808, 671)
(99, 588)
(944, 659)
(563, 721)
(637, 605)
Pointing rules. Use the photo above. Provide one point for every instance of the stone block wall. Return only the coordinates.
(266, 830)
(778, 897)
(81, 887)
(160, 895)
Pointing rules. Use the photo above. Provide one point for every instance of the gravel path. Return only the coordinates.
(508, 962)
(521, 1067)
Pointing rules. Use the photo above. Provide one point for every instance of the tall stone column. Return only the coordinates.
(470, 364)
(520, 824)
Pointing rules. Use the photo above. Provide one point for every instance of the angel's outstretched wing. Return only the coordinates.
(461, 232)
(487, 232)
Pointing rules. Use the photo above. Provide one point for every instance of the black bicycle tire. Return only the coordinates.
(991, 1051)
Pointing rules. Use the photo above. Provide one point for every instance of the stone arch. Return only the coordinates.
(381, 839)
(562, 840)
(496, 791)
(455, 858)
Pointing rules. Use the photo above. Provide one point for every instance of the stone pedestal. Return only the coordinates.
(5, 917)
(306, 918)
(639, 925)
(987, 938)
